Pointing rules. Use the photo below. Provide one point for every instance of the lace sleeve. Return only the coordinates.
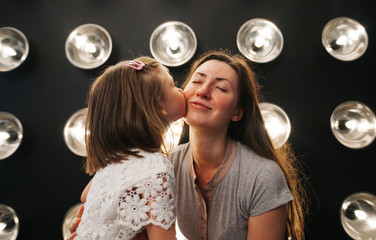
(150, 201)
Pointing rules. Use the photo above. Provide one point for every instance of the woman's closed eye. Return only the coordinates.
(222, 89)
(223, 86)
(196, 81)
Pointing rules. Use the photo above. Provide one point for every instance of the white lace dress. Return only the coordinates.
(125, 197)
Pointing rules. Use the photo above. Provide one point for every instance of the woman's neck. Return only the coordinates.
(208, 150)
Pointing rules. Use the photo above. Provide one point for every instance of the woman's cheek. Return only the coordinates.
(187, 92)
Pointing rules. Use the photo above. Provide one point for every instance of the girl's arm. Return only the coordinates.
(85, 191)
(75, 224)
(77, 220)
(155, 232)
(268, 226)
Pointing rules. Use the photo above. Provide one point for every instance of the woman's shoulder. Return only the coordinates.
(179, 152)
(181, 148)
(250, 159)
(263, 174)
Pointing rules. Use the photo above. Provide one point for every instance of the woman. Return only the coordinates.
(231, 182)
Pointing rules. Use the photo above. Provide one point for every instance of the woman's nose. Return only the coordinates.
(203, 92)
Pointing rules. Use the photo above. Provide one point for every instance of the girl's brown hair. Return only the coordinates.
(124, 114)
(251, 131)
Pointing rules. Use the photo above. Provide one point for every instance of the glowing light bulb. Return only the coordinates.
(274, 127)
(341, 40)
(10, 52)
(259, 42)
(351, 124)
(2, 226)
(78, 132)
(81, 41)
(90, 48)
(174, 45)
(172, 136)
(4, 136)
(360, 214)
(372, 223)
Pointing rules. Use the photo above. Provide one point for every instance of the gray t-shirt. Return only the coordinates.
(249, 186)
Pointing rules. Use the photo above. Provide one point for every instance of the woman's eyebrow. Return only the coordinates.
(221, 78)
(217, 78)
(201, 74)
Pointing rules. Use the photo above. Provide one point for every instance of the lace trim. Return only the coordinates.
(148, 202)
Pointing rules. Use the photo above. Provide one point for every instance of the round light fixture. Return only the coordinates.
(353, 124)
(344, 38)
(358, 216)
(173, 134)
(11, 134)
(74, 132)
(173, 43)
(14, 48)
(88, 46)
(9, 223)
(259, 40)
(277, 123)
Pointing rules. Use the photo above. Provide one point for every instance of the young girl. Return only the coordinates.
(130, 108)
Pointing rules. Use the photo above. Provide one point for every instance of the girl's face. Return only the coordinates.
(212, 96)
(173, 101)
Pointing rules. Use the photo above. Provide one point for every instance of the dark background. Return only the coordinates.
(43, 178)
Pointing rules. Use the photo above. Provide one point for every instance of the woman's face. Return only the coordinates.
(212, 96)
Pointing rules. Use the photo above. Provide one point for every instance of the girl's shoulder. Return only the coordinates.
(136, 169)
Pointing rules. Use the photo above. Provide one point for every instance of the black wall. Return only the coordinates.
(43, 179)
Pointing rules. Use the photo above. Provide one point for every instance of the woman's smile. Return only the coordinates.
(199, 105)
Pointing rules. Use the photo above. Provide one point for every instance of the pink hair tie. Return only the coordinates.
(135, 64)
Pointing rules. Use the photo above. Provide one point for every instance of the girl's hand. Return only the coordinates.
(75, 224)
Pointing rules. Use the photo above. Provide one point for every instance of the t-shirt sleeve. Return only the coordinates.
(270, 189)
(150, 201)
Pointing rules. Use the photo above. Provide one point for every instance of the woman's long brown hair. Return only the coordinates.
(251, 131)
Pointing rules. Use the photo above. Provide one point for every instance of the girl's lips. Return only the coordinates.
(200, 106)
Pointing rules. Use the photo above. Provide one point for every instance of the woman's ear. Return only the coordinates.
(238, 115)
